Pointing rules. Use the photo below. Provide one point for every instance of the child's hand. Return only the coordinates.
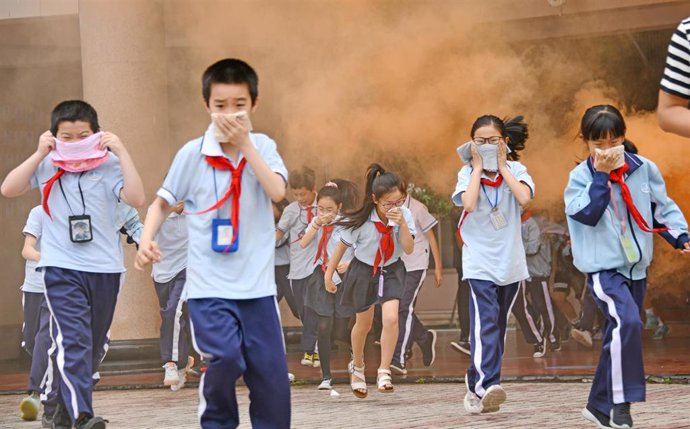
(605, 162)
(502, 156)
(148, 253)
(342, 267)
(46, 143)
(235, 129)
(325, 219)
(439, 276)
(395, 215)
(112, 142)
(686, 248)
(330, 286)
(476, 158)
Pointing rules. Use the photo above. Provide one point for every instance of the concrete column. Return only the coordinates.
(124, 74)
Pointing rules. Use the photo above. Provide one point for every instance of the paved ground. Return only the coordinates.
(438, 405)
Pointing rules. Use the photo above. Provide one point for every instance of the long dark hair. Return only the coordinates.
(379, 183)
(330, 190)
(515, 129)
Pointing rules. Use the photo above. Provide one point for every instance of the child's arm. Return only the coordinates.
(673, 114)
(586, 200)
(310, 233)
(333, 262)
(29, 251)
(522, 192)
(148, 249)
(132, 192)
(18, 181)
(666, 212)
(436, 254)
(471, 195)
(273, 183)
(406, 238)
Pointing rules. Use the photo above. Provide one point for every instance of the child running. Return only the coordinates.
(89, 172)
(613, 200)
(326, 302)
(491, 189)
(380, 232)
(169, 277)
(227, 179)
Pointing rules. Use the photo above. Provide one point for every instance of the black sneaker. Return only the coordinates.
(398, 367)
(91, 423)
(429, 348)
(595, 416)
(61, 419)
(555, 346)
(620, 416)
(461, 346)
(539, 351)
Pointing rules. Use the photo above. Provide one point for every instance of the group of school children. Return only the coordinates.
(220, 257)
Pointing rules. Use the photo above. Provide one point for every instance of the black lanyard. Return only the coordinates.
(81, 194)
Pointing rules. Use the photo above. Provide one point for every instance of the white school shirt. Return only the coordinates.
(294, 223)
(33, 280)
(101, 189)
(424, 221)
(172, 241)
(488, 254)
(249, 272)
(366, 239)
(332, 243)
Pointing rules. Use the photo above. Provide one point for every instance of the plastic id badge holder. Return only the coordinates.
(221, 236)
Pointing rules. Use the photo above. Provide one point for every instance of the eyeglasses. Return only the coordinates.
(484, 140)
(390, 205)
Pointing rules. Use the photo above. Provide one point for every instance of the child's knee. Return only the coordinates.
(390, 320)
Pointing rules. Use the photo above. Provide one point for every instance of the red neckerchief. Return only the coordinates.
(235, 190)
(326, 231)
(310, 214)
(617, 176)
(526, 215)
(386, 245)
(48, 187)
(493, 183)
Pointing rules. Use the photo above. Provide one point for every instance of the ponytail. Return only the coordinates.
(378, 183)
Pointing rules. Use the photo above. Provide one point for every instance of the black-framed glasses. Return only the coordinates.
(390, 205)
(485, 140)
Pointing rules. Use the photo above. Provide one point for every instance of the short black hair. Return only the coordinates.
(72, 111)
(302, 178)
(230, 70)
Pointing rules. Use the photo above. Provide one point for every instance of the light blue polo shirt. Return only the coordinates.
(172, 241)
(249, 272)
(489, 254)
(101, 189)
(293, 222)
(33, 280)
(366, 238)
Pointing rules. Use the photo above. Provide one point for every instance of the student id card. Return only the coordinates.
(497, 219)
(629, 249)
(221, 236)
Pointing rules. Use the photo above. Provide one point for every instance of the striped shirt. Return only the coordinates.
(676, 80)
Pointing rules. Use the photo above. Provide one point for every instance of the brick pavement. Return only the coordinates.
(437, 405)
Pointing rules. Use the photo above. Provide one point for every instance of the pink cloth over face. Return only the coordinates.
(79, 156)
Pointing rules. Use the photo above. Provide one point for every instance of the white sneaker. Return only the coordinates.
(492, 400)
(172, 376)
(291, 377)
(472, 402)
(182, 375)
(326, 384)
(581, 336)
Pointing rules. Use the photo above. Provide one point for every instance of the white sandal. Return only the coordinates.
(359, 387)
(384, 381)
